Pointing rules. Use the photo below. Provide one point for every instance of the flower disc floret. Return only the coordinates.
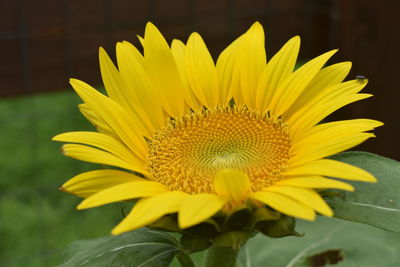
(186, 154)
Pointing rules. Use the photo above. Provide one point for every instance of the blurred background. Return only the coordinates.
(45, 42)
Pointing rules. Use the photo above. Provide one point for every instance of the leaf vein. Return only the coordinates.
(157, 255)
(374, 206)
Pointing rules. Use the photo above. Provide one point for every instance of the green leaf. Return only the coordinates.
(143, 247)
(350, 244)
(376, 204)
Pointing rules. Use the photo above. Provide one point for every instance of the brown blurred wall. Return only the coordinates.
(43, 43)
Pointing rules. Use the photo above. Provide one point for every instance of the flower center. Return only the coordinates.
(186, 153)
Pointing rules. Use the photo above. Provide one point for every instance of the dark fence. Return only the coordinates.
(45, 42)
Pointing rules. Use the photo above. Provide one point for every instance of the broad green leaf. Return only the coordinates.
(350, 244)
(376, 204)
(143, 247)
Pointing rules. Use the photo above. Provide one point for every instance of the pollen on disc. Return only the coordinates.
(186, 153)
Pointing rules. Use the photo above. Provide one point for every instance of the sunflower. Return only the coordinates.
(185, 136)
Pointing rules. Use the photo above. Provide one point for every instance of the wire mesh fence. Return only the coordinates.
(44, 43)
(47, 42)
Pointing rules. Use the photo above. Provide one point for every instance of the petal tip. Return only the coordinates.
(347, 64)
(194, 36)
(62, 189)
(350, 188)
(184, 224)
(311, 217)
(257, 26)
(117, 230)
(64, 149)
(81, 206)
(102, 51)
(296, 39)
(330, 214)
(149, 24)
(150, 28)
(73, 81)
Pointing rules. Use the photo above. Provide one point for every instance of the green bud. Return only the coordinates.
(207, 228)
(166, 223)
(193, 243)
(263, 215)
(285, 226)
(238, 220)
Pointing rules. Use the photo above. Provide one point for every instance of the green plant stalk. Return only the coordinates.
(185, 260)
(218, 256)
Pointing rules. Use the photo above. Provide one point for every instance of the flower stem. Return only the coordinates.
(218, 256)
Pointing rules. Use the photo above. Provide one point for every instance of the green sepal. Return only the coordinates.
(166, 223)
(263, 215)
(233, 239)
(195, 243)
(238, 220)
(208, 228)
(284, 226)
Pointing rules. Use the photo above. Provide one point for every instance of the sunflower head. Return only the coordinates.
(232, 146)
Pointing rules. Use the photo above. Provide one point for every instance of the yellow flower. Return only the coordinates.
(194, 138)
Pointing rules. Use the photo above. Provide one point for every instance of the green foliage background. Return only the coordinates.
(36, 220)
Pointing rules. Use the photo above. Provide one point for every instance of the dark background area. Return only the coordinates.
(45, 42)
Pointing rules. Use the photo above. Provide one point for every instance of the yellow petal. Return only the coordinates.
(96, 121)
(140, 91)
(331, 130)
(88, 183)
(346, 88)
(332, 168)
(225, 65)
(305, 196)
(198, 208)
(287, 93)
(122, 123)
(91, 154)
(250, 62)
(178, 50)
(285, 205)
(305, 119)
(315, 182)
(162, 69)
(101, 141)
(122, 192)
(325, 78)
(111, 78)
(277, 70)
(233, 184)
(120, 92)
(327, 101)
(201, 71)
(320, 149)
(141, 40)
(135, 53)
(149, 210)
